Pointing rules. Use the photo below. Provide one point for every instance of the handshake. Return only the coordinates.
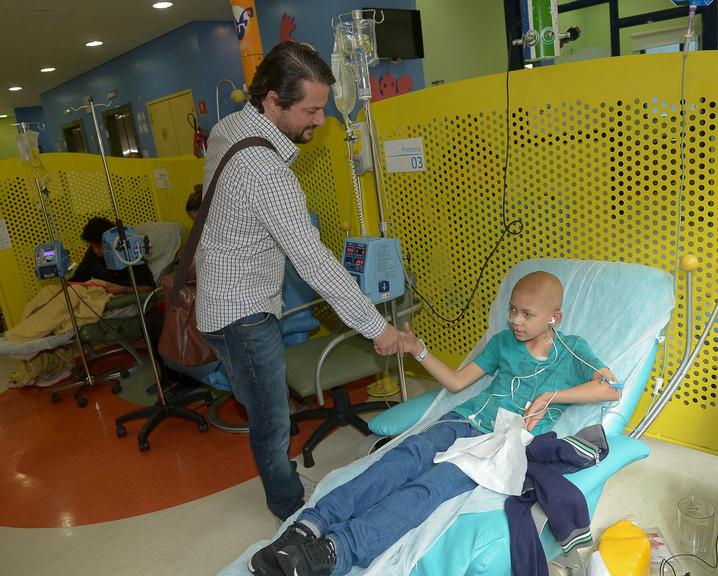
(392, 341)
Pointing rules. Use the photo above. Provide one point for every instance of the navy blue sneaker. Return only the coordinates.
(264, 561)
(307, 557)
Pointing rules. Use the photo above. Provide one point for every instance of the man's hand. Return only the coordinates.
(389, 342)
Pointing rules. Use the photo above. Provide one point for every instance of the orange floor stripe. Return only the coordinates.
(61, 465)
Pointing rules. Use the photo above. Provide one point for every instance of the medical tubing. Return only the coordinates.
(358, 196)
(681, 184)
(667, 561)
(377, 166)
(118, 255)
(591, 366)
(508, 227)
(675, 381)
(670, 388)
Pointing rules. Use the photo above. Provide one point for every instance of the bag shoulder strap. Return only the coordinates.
(191, 247)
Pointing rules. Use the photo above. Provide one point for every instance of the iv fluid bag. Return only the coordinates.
(344, 89)
(356, 43)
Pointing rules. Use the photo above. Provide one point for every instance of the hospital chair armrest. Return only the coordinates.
(622, 450)
(401, 417)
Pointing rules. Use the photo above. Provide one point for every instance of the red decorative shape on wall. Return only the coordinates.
(389, 85)
(286, 27)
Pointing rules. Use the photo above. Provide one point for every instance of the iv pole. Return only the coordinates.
(164, 408)
(364, 94)
(88, 381)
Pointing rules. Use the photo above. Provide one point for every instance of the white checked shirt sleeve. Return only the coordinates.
(279, 205)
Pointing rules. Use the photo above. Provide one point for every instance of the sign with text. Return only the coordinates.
(406, 155)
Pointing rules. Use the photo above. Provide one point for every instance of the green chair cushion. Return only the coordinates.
(351, 360)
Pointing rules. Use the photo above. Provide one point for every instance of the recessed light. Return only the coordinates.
(48, 69)
(162, 5)
(93, 43)
(15, 88)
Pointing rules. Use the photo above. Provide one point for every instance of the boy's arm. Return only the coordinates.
(451, 379)
(598, 389)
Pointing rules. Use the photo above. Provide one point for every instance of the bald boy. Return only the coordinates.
(533, 369)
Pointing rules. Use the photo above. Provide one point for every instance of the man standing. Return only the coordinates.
(257, 216)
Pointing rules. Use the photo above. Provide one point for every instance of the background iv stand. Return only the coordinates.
(164, 408)
(355, 43)
(29, 149)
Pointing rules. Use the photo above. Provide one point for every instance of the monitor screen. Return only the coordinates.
(399, 35)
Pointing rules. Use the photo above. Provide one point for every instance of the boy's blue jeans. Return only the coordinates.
(395, 494)
(252, 352)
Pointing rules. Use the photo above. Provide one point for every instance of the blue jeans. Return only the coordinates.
(252, 352)
(369, 513)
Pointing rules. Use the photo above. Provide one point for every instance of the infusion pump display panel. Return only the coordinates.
(375, 263)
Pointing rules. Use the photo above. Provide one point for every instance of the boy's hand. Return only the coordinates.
(537, 410)
(412, 344)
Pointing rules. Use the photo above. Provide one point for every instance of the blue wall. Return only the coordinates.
(195, 57)
(168, 64)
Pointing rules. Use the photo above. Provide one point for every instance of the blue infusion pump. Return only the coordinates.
(52, 260)
(375, 263)
(114, 256)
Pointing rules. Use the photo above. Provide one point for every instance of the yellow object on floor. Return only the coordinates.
(625, 549)
(383, 387)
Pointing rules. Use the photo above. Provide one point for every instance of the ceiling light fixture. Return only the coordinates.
(48, 69)
(93, 43)
(162, 5)
(15, 88)
(3, 115)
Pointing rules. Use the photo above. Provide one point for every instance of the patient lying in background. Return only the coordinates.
(92, 267)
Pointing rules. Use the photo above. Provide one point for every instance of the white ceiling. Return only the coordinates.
(39, 33)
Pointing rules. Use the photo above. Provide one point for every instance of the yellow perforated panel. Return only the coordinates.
(323, 176)
(77, 191)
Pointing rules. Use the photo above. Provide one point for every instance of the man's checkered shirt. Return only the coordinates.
(258, 214)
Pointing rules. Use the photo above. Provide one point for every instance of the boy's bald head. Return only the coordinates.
(542, 285)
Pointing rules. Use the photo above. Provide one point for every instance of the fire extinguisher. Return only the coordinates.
(199, 138)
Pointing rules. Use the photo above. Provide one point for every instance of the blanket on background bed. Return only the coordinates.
(47, 312)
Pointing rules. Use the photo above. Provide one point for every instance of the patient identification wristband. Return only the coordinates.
(423, 354)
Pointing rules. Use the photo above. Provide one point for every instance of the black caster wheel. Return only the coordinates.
(116, 388)
(124, 373)
(144, 446)
(293, 429)
(308, 460)
(202, 427)
(55, 397)
(121, 431)
(81, 401)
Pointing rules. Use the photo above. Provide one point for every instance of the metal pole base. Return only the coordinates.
(171, 408)
(81, 387)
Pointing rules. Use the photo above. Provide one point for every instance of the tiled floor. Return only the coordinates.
(200, 537)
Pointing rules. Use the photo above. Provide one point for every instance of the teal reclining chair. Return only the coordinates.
(620, 309)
